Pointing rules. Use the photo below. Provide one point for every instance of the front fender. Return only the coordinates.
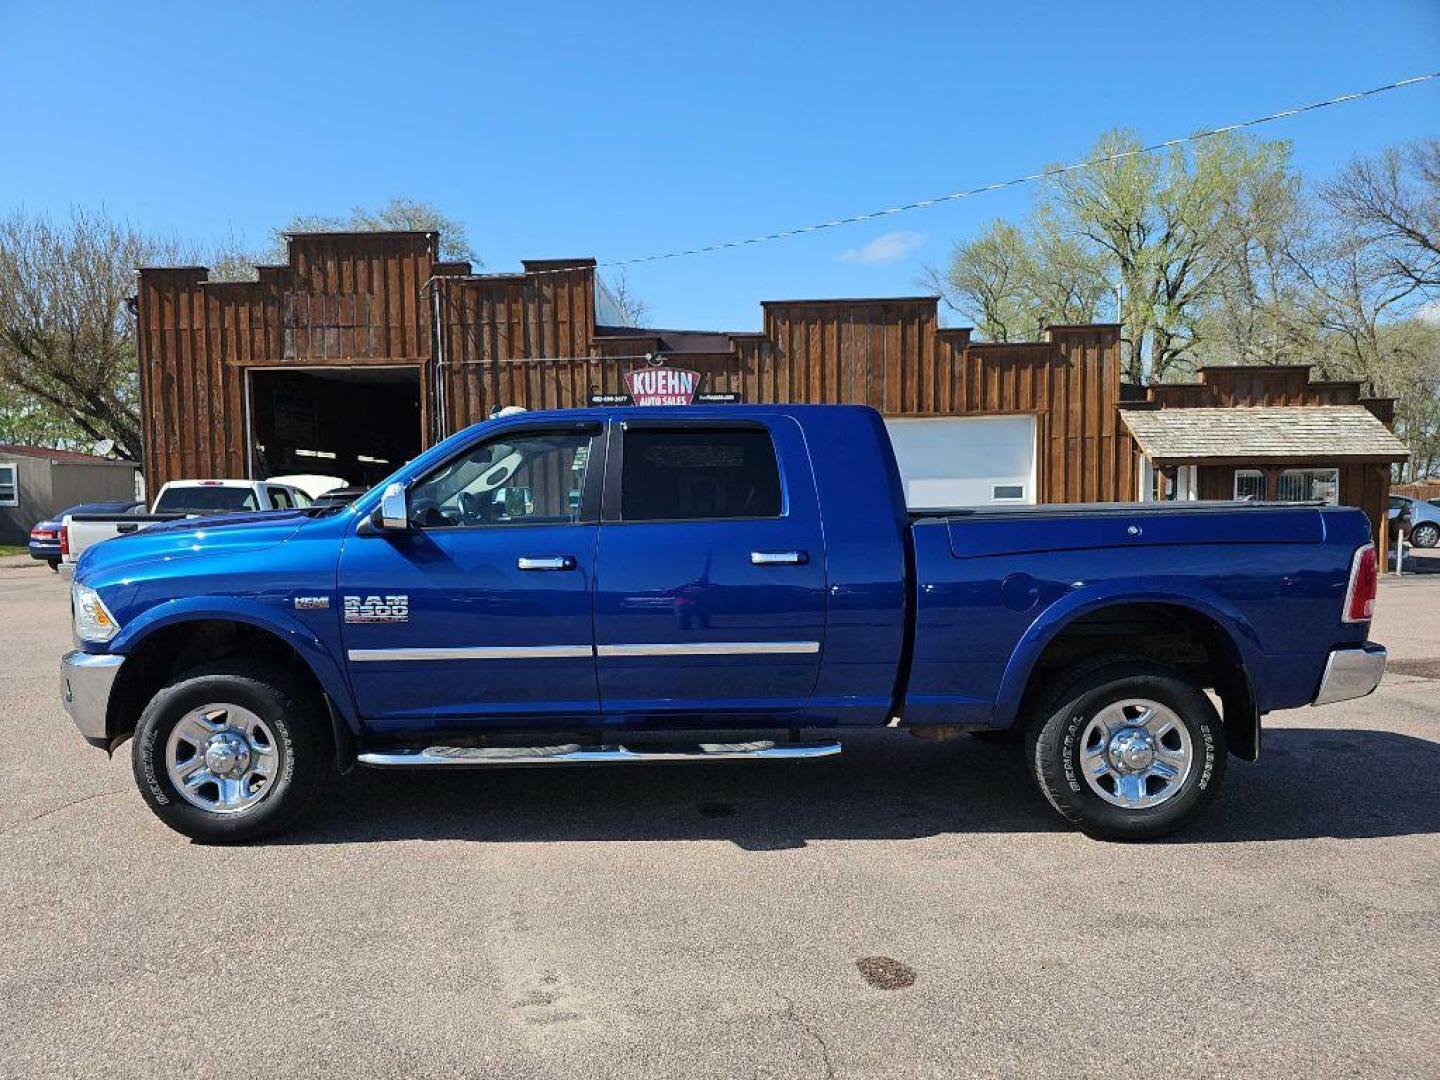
(1084, 601)
(315, 654)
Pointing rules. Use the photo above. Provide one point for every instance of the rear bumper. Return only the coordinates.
(85, 682)
(1351, 673)
(45, 550)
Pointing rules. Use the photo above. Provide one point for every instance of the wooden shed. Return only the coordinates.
(1266, 433)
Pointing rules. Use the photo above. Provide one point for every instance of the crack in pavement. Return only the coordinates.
(56, 809)
(791, 1015)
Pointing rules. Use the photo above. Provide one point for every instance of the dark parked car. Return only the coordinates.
(45, 536)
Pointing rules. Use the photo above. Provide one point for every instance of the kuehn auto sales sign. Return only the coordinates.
(662, 385)
(665, 386)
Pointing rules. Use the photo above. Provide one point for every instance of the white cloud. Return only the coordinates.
(1429, 312)
(887, 247)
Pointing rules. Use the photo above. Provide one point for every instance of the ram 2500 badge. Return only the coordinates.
(704, 584)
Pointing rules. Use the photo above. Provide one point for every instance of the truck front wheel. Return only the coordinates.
(231, 752)
(1128, 750)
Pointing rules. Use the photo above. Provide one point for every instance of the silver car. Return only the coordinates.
(1424, 519)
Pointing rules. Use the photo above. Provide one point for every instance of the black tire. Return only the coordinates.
(1053, 748)
(302, 739)
(1425, 535)
(54, 564)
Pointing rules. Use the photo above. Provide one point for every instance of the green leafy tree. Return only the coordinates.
(399, 214)
(67, 342)
(1010, 286)
(1150, 239)
(232, 261)
(26, 421)
(1166, 228)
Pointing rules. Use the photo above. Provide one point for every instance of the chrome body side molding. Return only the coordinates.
(710, 648)
(571, 652)
(576, 754)
(488, 652)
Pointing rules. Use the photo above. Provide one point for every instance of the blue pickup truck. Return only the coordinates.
(706, 584)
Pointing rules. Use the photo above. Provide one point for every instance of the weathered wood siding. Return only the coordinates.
(530, 339)
(343, 300)
(523, 340)
(1362, 484)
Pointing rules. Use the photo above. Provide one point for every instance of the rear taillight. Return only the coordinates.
(42, 534)
(64, 540)
(1364, 582)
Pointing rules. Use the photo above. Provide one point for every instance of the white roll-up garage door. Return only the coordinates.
(965, 461)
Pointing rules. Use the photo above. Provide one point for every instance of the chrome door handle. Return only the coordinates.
(550, 562)
(778, 558)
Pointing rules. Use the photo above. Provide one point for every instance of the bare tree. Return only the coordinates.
(67, 342)
(1390, 204)
(633, 310)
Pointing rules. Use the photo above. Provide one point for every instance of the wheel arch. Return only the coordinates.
(159, 648)
(1205, 637)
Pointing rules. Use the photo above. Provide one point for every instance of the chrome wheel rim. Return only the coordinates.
(1136, 754)
(222, 758)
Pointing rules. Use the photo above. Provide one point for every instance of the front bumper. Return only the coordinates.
(85, 682)
(1351, 673)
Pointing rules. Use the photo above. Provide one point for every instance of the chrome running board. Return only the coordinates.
(576, 754)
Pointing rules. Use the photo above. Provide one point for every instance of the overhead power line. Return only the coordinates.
(1028, 178)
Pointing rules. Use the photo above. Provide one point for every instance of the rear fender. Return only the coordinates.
(1084, 601)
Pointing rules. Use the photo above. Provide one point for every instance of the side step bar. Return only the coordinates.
(576, 754)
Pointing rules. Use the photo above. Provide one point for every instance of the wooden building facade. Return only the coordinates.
(401, 348)
(348, 304)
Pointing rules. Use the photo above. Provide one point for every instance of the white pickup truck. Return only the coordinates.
(180, 499)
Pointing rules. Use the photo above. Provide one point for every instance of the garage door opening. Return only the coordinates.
(358, 424)
(965, 461)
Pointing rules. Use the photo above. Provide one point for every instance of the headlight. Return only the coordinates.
(92, 619)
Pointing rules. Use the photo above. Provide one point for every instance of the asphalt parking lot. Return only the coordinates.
(711, 921)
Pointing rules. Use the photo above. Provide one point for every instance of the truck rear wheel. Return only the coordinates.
(231, 752)
(1128, 750)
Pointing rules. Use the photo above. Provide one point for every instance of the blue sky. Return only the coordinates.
(618, 130)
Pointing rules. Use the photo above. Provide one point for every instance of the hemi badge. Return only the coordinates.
(311, 603)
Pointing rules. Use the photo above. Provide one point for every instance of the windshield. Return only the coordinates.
(205, 500)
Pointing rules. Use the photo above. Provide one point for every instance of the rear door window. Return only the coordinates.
(279, 498)
(690, 474)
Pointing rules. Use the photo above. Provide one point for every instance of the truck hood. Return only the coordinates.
(191, 537)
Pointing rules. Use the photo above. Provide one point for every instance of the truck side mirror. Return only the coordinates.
(393, 513)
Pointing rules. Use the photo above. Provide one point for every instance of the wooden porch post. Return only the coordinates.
(1272, 482)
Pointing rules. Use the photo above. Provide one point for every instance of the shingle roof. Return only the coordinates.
(12, 450)
(1272, 431)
